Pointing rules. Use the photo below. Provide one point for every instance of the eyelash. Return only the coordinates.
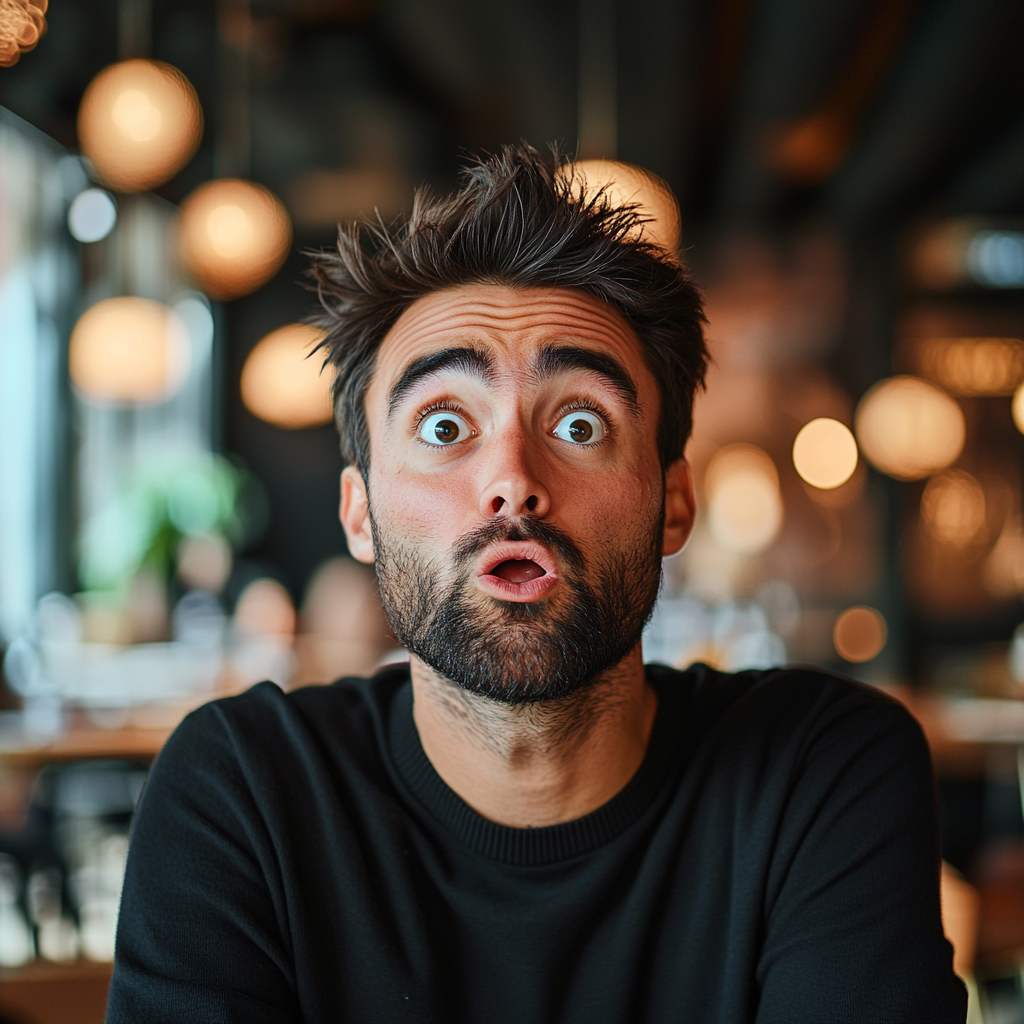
(442, 406)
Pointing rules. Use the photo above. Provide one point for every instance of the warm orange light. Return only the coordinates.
(953, 507)
(234, 236)
(860, 634)
(973, 366)
(282, 382)
(625, 184)
(128, 350)
(1018, 408)
(744, 504)
(21, 26)
(908, 428)
(812, 149)
(825, 453)
(139, 123)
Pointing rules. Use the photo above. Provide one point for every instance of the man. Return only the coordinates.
(525, 824)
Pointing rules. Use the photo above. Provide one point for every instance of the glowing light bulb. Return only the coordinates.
(628, 184)
(859, 634)
(234, 236)
(744, 505)
(139, 123)
(908, 428)
(230, 231)
(128, 350)
(136, 115)
(825, 453)
(282, 383)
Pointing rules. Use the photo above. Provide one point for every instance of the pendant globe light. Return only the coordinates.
(235, 236)
(282, 382)
(626, 184)
(128, 350)
(139, 123)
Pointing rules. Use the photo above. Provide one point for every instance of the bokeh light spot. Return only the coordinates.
(139, 123)
(860, 634)
(234, 236)
(128, 349)
(92, 215)
(627, 184)
(1018, 408)
(908, 428)
(136, 115)
(953, 507)
(282, 383)
(744, 504)
(825, 453)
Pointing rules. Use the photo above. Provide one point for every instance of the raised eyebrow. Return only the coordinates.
(557, 358)
(464, 359)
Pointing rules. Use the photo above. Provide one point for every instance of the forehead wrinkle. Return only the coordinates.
(480, 307)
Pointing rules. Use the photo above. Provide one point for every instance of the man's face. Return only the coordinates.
(515, 493)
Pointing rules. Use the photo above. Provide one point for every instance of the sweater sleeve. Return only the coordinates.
(199, 936)
(853, 924)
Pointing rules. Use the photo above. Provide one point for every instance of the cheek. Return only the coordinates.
(418, 507)
(615, 509)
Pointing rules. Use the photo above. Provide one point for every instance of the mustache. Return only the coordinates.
(515, 529)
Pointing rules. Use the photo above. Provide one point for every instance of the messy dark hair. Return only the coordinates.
(518, 220)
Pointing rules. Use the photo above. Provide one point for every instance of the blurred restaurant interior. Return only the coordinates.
(851, 180)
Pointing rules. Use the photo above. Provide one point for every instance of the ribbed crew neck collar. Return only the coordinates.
(526, 847)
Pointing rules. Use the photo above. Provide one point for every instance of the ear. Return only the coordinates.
(355, 515)
(680, 507)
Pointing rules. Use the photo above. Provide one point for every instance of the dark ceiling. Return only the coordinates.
(762, 114)
(867, 110)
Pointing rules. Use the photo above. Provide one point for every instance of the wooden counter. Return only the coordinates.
(45, 993)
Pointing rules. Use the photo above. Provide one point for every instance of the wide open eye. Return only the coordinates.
(580, 427)
(444, 428)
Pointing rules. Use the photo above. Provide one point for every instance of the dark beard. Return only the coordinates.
(519, 653)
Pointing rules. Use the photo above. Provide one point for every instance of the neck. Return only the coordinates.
(532, 765)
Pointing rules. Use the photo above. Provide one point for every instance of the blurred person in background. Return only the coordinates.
(526, 823)
(343, 628)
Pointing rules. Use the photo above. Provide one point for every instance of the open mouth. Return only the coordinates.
(518, 570)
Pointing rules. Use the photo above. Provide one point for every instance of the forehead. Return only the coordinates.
(514, 325)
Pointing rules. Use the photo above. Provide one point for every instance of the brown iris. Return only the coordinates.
(446, 431)
(581, 430)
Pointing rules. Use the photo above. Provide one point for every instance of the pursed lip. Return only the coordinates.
(531, 590)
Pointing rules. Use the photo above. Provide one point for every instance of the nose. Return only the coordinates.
(511, 482)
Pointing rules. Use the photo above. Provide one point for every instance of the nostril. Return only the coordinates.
(531, 502)
(496, 505)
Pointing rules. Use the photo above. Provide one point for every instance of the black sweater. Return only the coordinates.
(295, 857)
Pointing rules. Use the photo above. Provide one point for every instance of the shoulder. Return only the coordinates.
(267, 724)
(797, 710)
